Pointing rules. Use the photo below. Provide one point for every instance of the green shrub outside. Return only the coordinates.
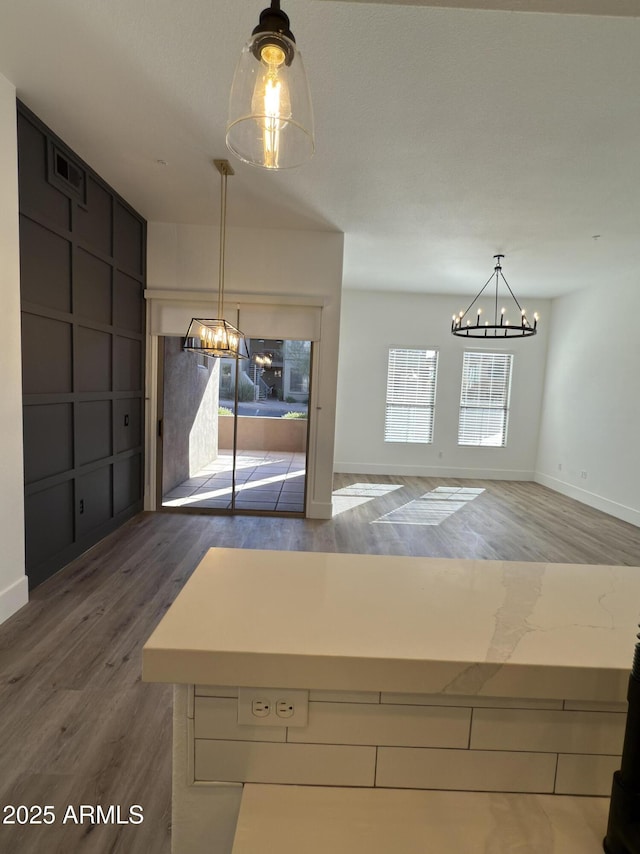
(246, 390)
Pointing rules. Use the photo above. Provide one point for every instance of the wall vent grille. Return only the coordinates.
(66, 174)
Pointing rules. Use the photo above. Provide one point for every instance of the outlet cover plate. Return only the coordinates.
(298, 698)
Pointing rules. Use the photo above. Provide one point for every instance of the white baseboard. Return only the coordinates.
(13, 597)
(432, 471)
(606, 505)
(319, 510)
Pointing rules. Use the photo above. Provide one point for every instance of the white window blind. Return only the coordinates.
(411, 395)
(484, 399)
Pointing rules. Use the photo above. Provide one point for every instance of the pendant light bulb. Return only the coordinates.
(270, 116)
(271, 102)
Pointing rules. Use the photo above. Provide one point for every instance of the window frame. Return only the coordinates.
(467, 405)
(408, 433)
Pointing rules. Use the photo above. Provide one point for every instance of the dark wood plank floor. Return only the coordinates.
(77, 725)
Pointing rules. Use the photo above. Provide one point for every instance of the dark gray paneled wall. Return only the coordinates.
(82, 271)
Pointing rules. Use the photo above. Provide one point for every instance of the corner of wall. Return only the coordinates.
(13, 581)
(591, 499)
(587, 440)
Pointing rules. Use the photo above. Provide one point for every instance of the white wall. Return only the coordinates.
(591, 404)
(13, 582)
(283, 268)
(372, 322)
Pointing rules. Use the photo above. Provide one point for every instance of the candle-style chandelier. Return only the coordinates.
(466, 325)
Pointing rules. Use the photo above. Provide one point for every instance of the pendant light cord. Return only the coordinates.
(223, 238)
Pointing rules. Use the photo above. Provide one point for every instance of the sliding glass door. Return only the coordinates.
(234, 434)
(271, 420)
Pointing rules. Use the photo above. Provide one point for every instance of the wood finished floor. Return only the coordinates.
(77, 725)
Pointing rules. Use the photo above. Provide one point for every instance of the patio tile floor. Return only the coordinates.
(265, 480)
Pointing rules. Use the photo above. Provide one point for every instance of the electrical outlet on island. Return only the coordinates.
(281, 707)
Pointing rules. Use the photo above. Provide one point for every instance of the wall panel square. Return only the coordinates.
(93, 499)
(93, 222)
(91, 287)
(128, 364)
(127, 483)
(93, 441)
(45, 266)
(128, 424)
(128, 303)
(46, 355)
(128, 236)
(48, 522)
(48, 432)
(93, 360)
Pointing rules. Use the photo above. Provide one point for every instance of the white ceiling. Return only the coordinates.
(443, 135)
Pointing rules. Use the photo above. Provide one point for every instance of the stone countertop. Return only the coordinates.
(406, 624)
(274, 820)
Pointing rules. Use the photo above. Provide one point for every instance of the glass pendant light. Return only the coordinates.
(270, 115)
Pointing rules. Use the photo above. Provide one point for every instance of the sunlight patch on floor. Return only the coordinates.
(372, 490)
(356, 494)
(432, 508)
(208, 494)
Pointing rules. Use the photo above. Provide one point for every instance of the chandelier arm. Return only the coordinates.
(477, 297)
(515, 299)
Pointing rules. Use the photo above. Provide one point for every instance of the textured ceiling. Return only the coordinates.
(630, 8)
(443, 135)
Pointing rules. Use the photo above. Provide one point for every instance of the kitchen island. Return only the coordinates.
(390, 673)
